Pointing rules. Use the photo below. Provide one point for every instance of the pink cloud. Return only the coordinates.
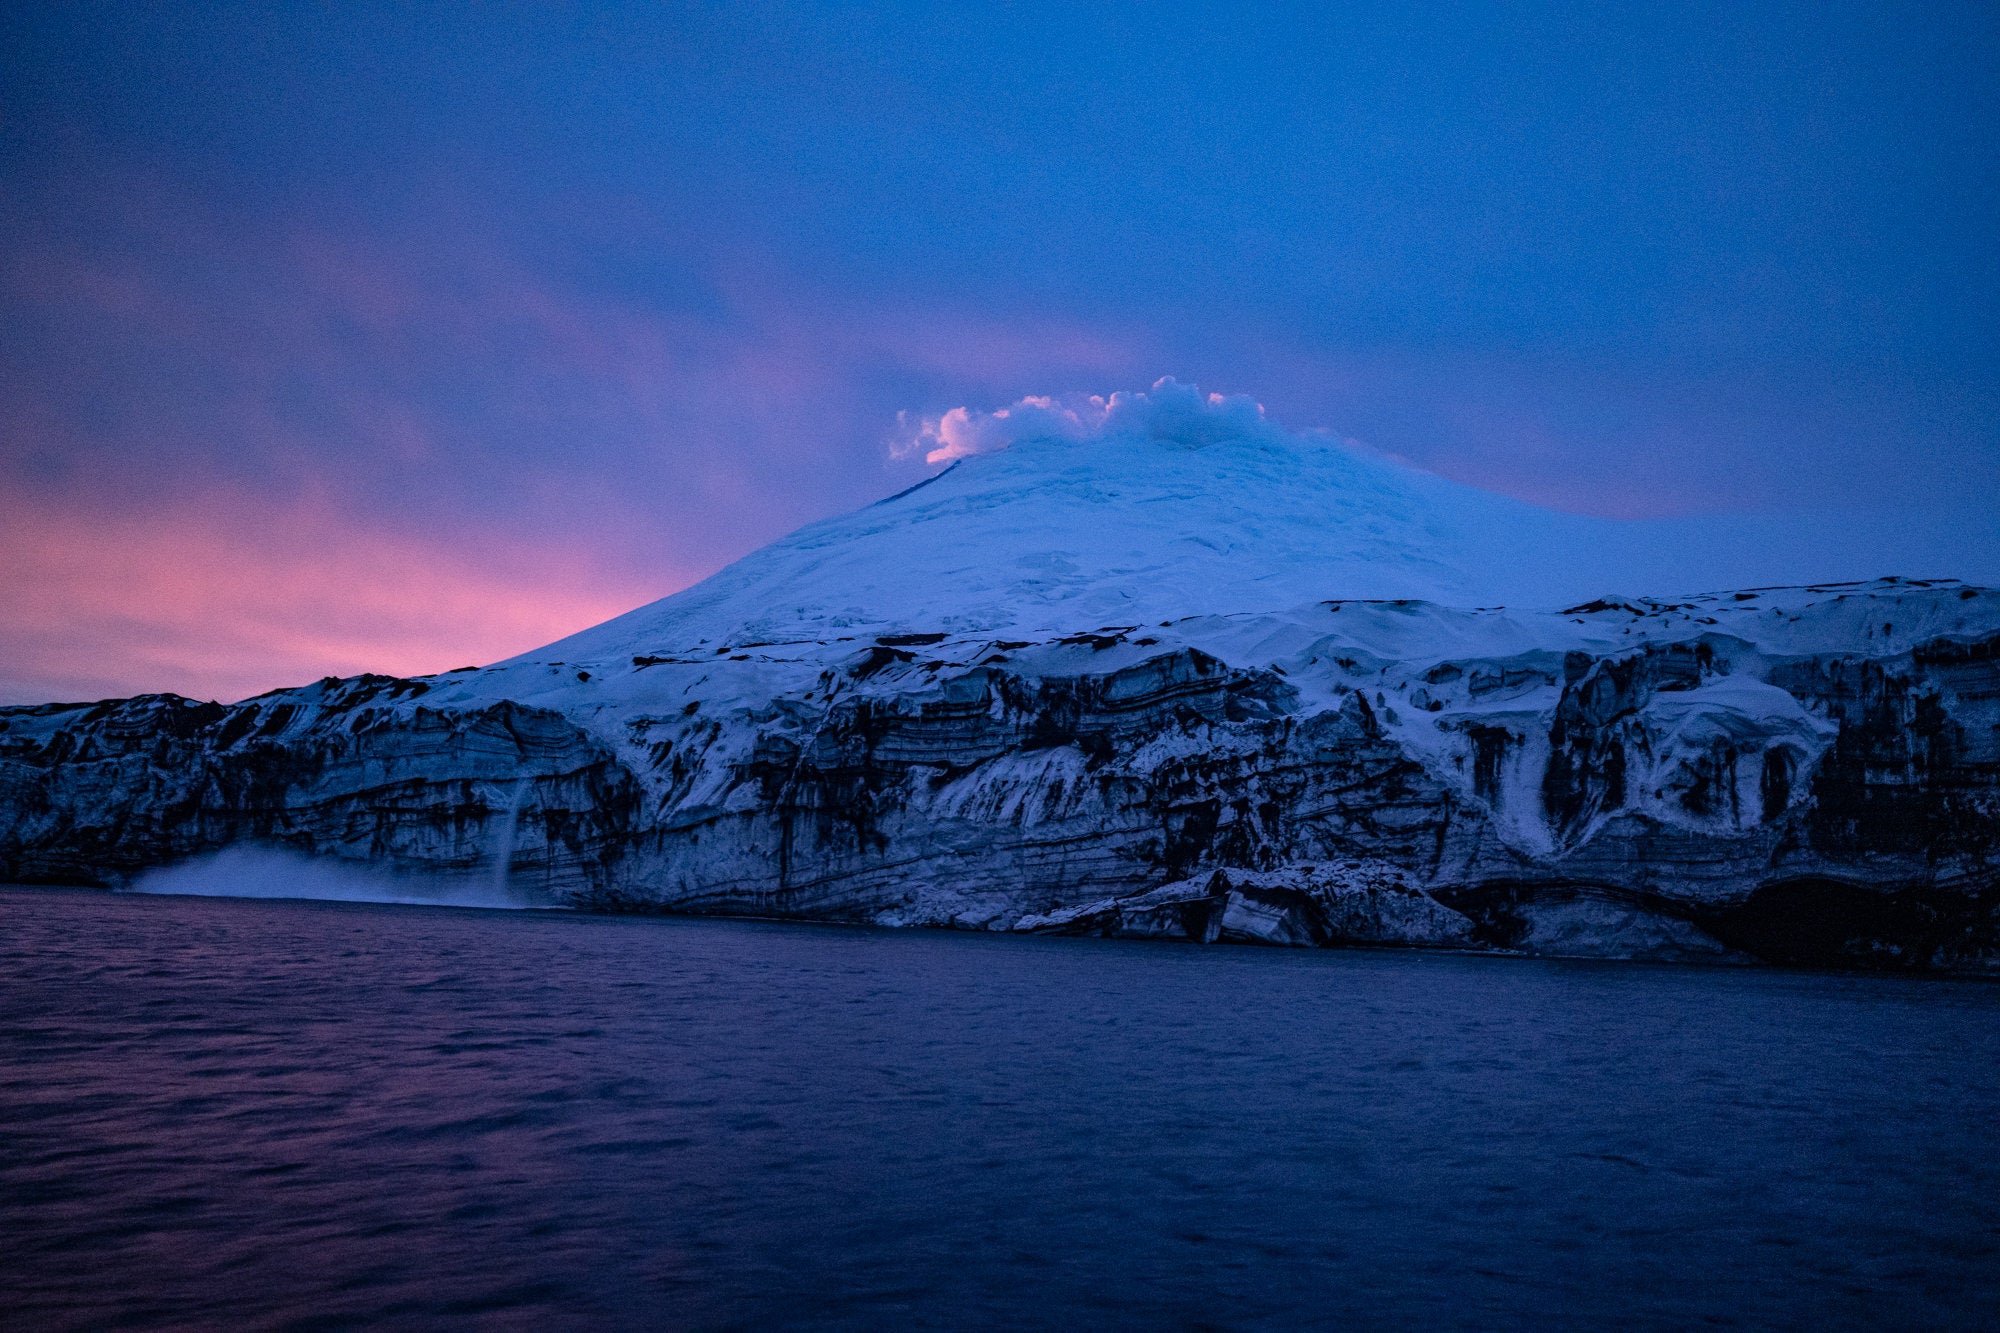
(241, 452)
(224, 601)
(1169, 411)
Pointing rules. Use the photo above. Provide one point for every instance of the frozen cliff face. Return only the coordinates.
(1802, 775)
(1310, 722)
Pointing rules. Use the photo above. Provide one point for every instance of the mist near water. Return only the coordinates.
(273, 872)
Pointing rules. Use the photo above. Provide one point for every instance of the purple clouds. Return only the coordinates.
(374, 341)
(243, 453)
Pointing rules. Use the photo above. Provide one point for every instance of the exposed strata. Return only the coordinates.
(1796, 775)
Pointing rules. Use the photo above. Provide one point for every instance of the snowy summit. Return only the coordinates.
(1156, 505)
(1152, 666)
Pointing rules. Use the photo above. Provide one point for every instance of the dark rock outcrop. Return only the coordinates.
(1686, 780)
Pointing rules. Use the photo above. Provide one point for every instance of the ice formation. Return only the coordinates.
(1151, 666)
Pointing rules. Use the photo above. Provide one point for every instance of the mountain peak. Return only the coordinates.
(1059, 515)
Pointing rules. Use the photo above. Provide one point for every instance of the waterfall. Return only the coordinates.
(506, 849)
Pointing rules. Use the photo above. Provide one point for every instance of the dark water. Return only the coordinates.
(324, 1114)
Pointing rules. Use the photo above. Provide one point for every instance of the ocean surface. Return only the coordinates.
(343, 1114)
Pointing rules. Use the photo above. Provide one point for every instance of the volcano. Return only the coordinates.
(1151, 666)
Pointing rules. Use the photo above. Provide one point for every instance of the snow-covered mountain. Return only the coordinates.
(1165, 504)
(1151, 666)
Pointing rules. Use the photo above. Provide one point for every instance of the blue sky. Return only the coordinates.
(346, 336)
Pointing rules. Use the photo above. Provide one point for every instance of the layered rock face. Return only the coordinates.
(1805, 775)
(1091, 682)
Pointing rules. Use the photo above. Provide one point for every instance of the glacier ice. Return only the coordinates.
(1173, 672)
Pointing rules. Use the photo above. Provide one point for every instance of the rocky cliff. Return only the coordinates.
(1796, 775)
(1167, 672)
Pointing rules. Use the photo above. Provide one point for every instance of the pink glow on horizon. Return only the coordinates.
(319, 433)
(224, 604)
(224, 544)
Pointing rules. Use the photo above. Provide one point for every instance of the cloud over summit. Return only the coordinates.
(1170, 412)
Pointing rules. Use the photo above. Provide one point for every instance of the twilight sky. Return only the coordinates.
(344, 337)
